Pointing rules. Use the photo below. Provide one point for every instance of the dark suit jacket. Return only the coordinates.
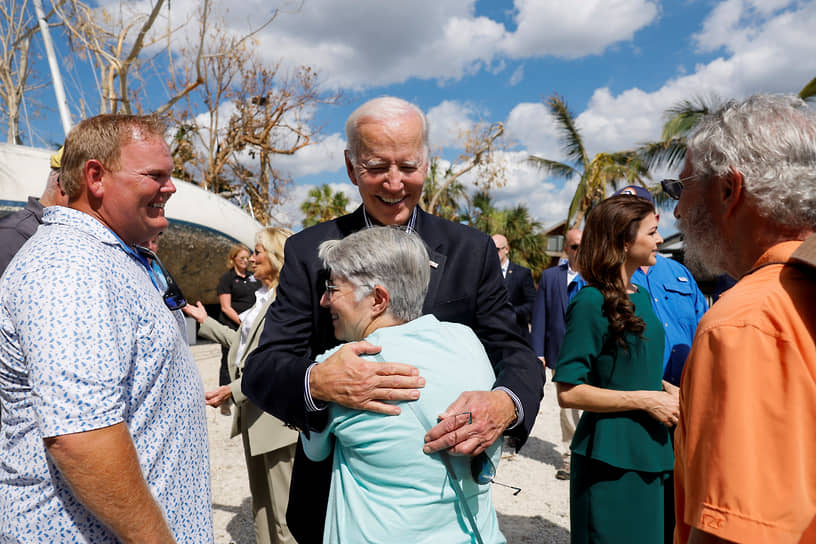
(549, 311)
(18, 227)
(522, 292)
(466, 287)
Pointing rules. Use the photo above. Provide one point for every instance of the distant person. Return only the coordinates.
(106, 435)
(153, 245)
(269, 445)
(236, 294)
(519, 283)
(19, 226)
(387, 159)
(557, 287)
(383, 487)
(676, 299)
(746, 444)
(611, 367)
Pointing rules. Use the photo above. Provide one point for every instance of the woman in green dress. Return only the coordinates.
(611, 366)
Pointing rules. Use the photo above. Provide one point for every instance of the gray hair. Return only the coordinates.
(771, 141)
(386, 256)
(382, 108)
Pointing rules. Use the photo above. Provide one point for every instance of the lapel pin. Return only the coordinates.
(434, 264)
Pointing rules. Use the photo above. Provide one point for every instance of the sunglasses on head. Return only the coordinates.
(173, 297)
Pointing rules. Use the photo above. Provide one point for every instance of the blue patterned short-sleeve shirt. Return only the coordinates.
(87, 342)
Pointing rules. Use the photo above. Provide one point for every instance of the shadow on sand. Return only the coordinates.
(532, 530)
(541, 451)
(239, 526)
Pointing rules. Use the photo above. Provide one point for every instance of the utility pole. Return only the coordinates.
(59, 88)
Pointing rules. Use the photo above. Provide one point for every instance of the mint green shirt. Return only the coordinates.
(383, 487)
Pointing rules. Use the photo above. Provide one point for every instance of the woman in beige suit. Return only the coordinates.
(269, 445)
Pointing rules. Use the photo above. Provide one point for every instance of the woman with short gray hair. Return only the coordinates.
(384, 488)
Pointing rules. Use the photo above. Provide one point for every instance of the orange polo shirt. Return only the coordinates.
(745, 467)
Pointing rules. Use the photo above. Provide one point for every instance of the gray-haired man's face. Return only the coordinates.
(391, 168)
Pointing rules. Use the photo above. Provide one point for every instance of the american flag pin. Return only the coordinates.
(434, 264)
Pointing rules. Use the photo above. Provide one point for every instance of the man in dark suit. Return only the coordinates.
(387, 158)
(557, 287)
(21, 225)
(519, 283)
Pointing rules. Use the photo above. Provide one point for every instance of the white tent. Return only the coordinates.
(202, 225)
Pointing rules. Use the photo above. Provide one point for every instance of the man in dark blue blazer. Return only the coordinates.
(519, 283)
(387, 158)
(557, 287)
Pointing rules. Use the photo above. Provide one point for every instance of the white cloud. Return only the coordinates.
(575, 29)
(532, 127)
(447, 122)
(324, 156)
(517, 77)
(370, 43)
(770, 62)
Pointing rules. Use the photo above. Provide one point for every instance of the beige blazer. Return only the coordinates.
(265, 432)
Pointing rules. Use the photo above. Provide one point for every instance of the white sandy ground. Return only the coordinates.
(539, 514)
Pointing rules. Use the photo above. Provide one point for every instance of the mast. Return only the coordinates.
(59, 88)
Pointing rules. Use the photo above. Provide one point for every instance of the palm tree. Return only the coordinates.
(445, 198)
(809, 90)
(596, 173)
(524, 235)
(323, 204)
(670, 151)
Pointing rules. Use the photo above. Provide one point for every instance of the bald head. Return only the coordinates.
(502, 247)
(571, 243)
(53, 194)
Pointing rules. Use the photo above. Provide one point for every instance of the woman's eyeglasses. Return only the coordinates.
(483, 472)
(330, 288)
(173, 297)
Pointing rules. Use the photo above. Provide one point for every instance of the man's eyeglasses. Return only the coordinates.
(674, 187)
(574, 246)
(173, 297)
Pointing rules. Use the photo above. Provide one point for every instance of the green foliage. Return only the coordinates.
(528, 244)
(597, 175)
(809, 90)
(449, 193)
(322, 205)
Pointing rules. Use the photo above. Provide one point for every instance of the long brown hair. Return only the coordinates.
(609, 227)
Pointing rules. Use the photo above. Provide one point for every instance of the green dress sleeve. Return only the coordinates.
(631, 439)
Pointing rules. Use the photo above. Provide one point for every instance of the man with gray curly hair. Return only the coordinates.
(745, 445)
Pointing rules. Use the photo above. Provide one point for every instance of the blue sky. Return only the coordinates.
(618, 63)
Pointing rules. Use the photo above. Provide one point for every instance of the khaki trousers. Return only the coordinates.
(269, 477)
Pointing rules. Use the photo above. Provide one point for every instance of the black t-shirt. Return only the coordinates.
(241, 289)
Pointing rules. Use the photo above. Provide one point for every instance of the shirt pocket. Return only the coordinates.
(676, 286)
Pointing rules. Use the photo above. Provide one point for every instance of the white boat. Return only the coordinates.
(203, 225)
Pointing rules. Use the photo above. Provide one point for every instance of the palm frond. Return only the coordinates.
(577, 202)
(683, 116)
(668, 154)
(809, 90)
(573, 144)
(553, 168)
